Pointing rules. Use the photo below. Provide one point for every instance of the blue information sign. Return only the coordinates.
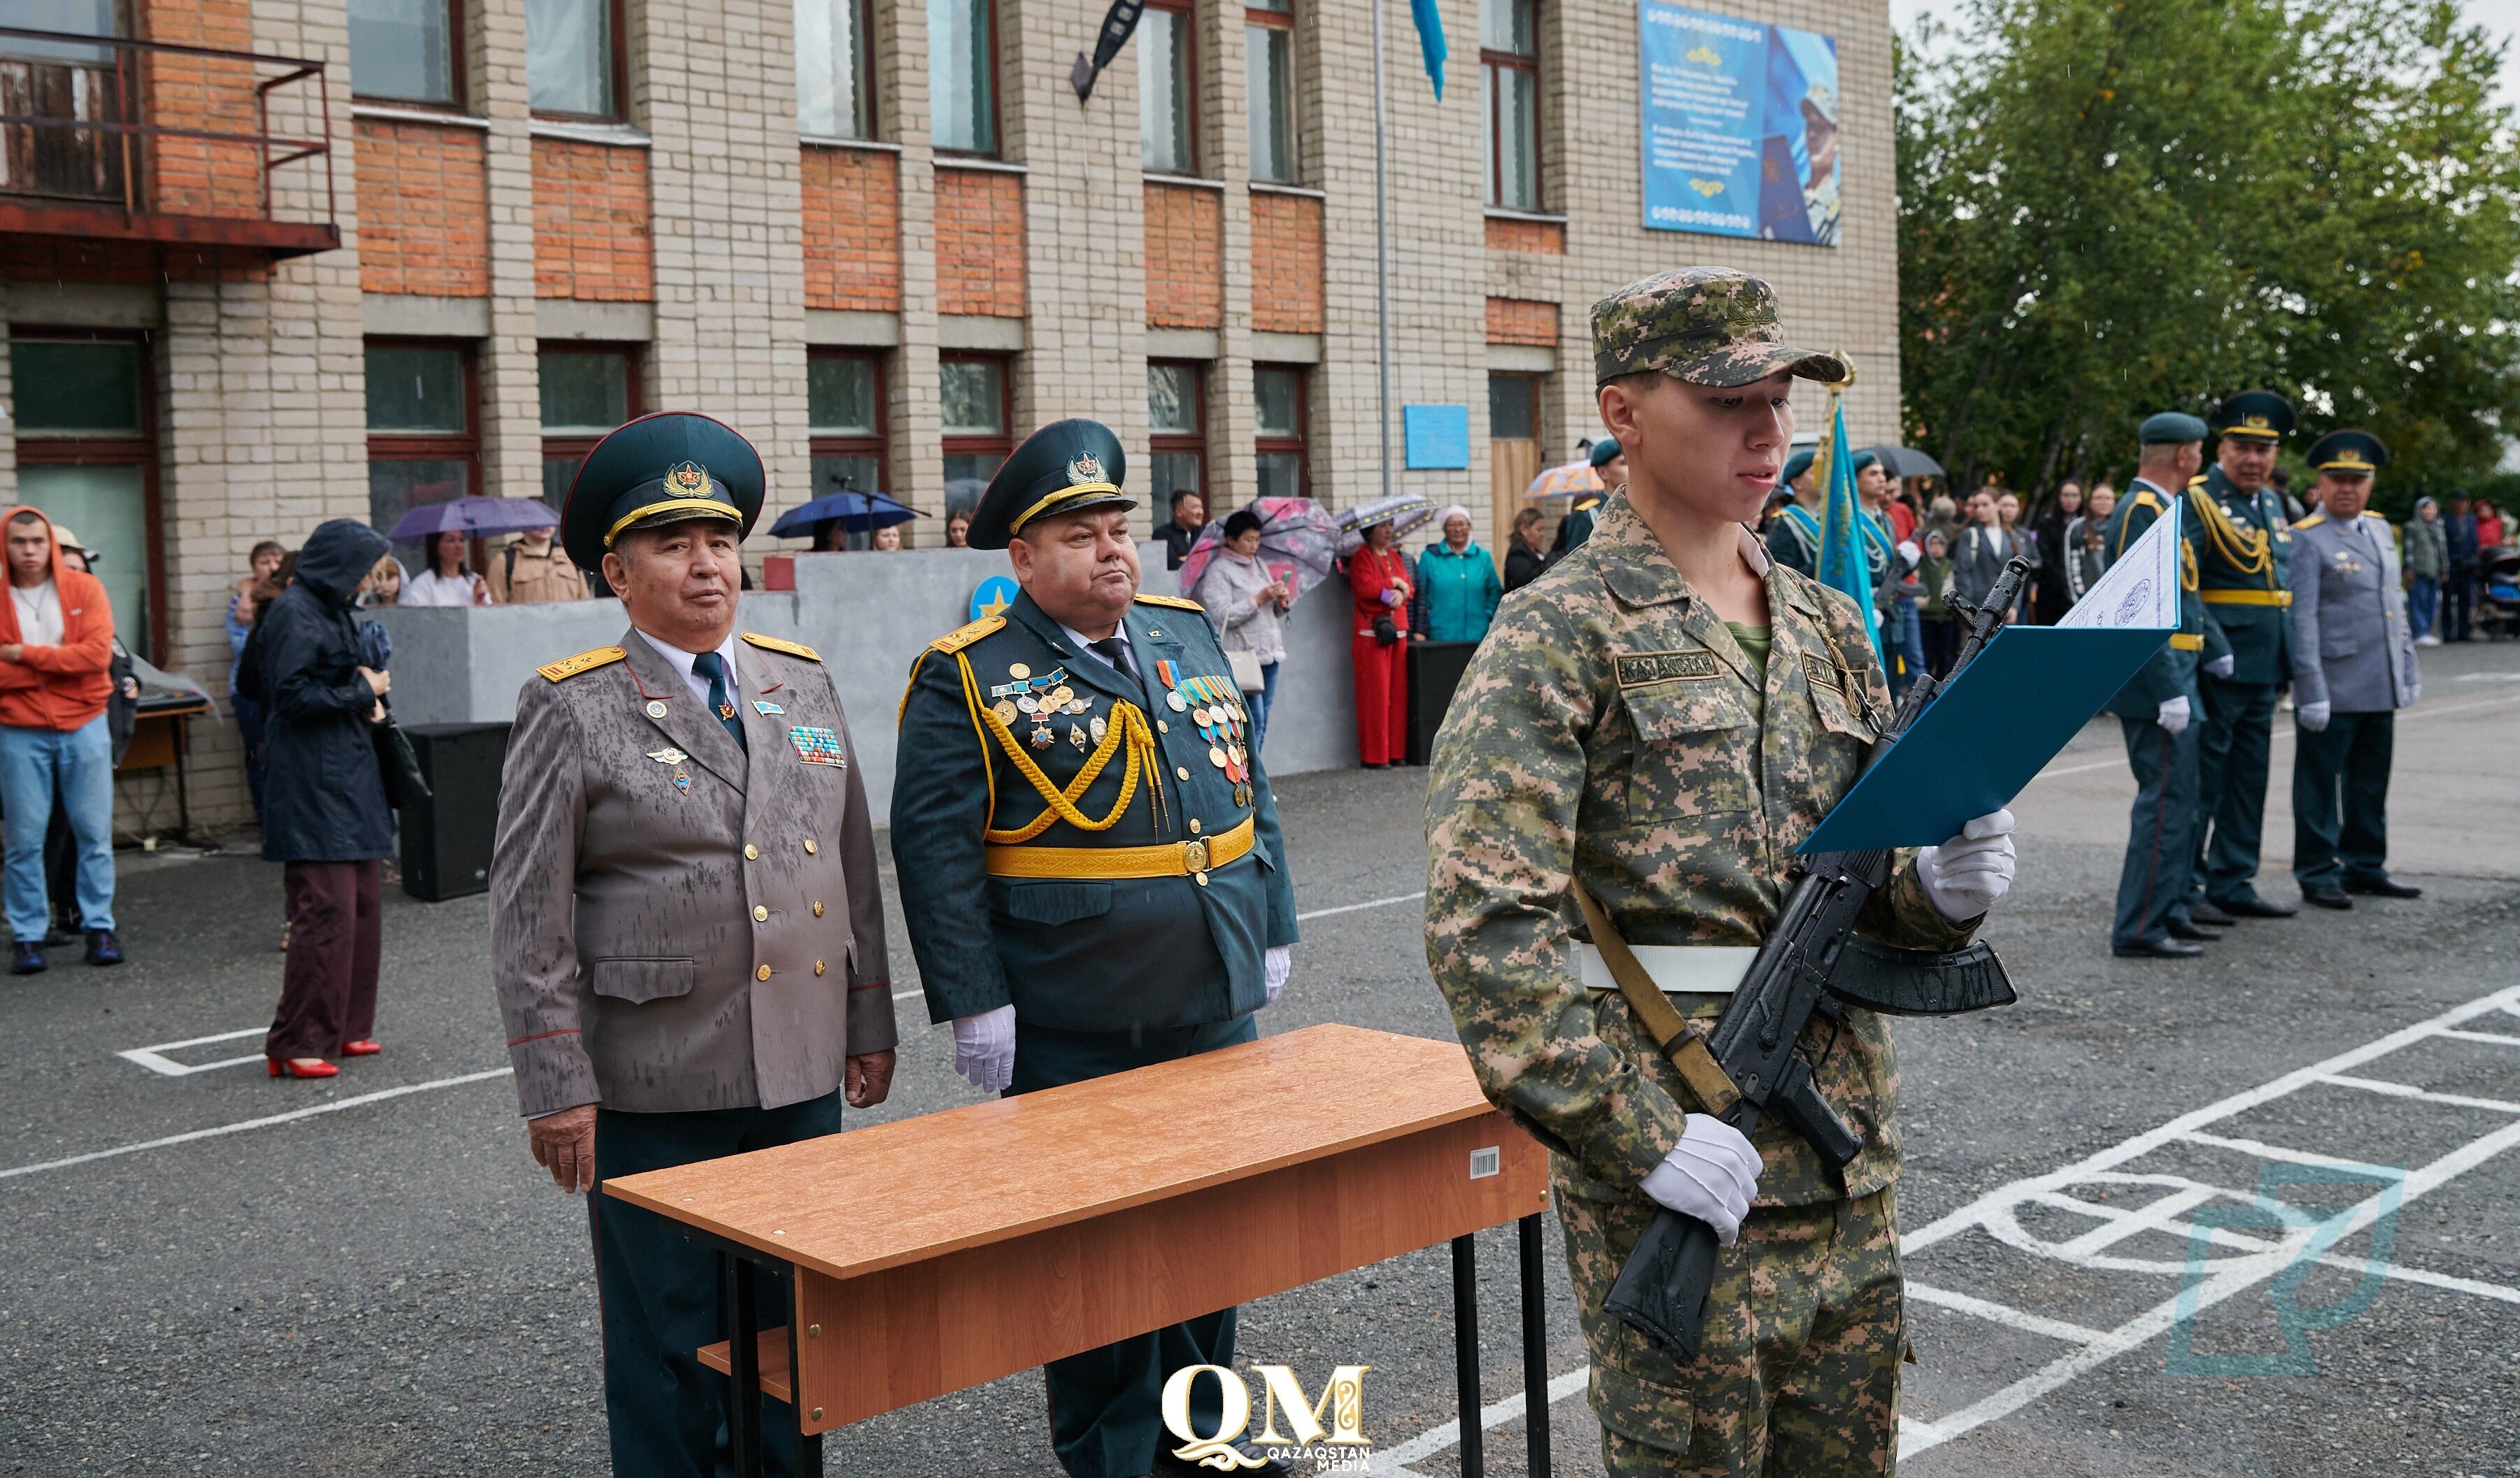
(1741, 127)
(1438, 436)
(995, 595)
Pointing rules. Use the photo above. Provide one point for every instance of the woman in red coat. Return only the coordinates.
(1378, 574)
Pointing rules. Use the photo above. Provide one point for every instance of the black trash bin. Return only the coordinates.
(1435, 669)
(447, 839)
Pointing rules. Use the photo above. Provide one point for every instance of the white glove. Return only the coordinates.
(1710, 1174)
(2220, 666)
(1967, 874)
(984, 1049)
(2173, 715)
(1275, 967)
(2313, 716)
(1909, 555)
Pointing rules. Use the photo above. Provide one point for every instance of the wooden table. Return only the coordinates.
(928, 1255)
(160, 736)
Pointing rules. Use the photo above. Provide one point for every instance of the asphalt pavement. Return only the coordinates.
(2253, 1214)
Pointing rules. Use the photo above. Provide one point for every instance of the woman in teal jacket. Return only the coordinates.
(1457, 588)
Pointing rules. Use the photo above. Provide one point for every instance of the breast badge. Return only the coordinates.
(819, 746)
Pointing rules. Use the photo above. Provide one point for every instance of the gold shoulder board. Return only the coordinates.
(2318, 517)
(2198, 480)
(584, 661)
(774, 644)
(1175, 601)
(2145, 499)
(955, 641)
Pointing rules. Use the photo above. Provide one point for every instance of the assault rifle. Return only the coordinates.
(1748, 1064)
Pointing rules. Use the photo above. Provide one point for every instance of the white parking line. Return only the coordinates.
(151, 1059)
(1393, 1462)
(2407, 717)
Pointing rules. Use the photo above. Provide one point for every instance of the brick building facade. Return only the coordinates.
(882, 238)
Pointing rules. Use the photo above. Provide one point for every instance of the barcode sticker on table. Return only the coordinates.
(1487, 1162)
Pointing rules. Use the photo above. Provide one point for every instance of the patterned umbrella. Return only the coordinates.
(1402, 511)
(1298, 544)
(474, 516)
(1572, 480)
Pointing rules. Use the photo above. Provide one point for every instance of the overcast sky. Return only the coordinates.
(2502, 17)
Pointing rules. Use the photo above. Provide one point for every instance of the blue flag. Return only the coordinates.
(1842, 565)
(1431, 40)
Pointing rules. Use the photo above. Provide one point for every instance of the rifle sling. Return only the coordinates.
(1686, 1049)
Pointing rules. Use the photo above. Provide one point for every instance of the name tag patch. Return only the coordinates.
(1643, 669)
(819, 746)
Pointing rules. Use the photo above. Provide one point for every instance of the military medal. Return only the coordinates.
(1019, 670)
(1098, 728)
(1076, 734)
(1172, 699)
(1216, 757)
(1007, 712)
(1061, 695)
(1041, 736)
(656, 708)
(725, 711)
(1028, 704)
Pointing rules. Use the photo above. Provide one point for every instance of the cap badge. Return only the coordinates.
(1086, 467)
(688, 480)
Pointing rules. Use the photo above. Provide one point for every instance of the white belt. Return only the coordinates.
(1705, 969)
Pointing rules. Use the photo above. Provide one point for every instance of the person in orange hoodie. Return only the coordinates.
(56, 650)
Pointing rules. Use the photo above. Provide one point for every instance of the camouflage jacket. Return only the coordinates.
(1609, 730)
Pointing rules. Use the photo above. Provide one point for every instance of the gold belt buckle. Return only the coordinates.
(1194, 855)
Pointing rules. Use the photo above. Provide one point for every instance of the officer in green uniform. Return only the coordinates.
(2157, 708)
(1090, 863)
(2243, 555)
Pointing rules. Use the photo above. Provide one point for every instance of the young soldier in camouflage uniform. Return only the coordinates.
(1663, 716)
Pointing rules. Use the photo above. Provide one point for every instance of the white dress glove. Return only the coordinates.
(1909, 556)
(1711, 1175)
(2222, 666)
(984, 1049)
(2313, 716)
(1965, 876)
(1275, 967)
(2173, 715)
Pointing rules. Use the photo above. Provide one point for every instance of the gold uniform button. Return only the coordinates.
(1202, 879)
(751, 853)
(1181, 772)
(760, 913)
(1162, 728)
(818, 967)
(809, 846)
(763, 974)
(818, 908)
(1194, 825)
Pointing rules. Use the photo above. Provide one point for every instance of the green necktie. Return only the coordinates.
(713, 668)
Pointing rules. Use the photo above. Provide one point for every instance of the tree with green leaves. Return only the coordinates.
(2110, 207)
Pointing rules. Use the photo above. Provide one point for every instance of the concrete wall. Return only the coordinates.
(868, 617)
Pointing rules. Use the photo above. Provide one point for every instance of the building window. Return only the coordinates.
(978, 412)
(1177, 418)
(834, 71)
(586, 391)
(845, 417)
(1269, 52)
(963, 75)
(408, 51)
(574, 58)
(87, 456)
(1277, 395)
(1167, 89)
(1513, 406)
(1509, 57)
(423, 437)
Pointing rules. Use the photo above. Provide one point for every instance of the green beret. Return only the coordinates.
(1866, 459)
(1604, 450)
(2170, 427)
(1067, 467)
(659, 469)
(1798, 464)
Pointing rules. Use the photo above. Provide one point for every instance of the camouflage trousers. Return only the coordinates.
(1798, 1375)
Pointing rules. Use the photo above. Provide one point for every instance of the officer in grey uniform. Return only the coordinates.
(684, 924)
(1090, 863)
(2353, 668)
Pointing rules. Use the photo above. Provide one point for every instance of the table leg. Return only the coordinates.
(1466, 1354)
(183, 794)
(1535, 1345)
(809, 1445)
(743, 1355)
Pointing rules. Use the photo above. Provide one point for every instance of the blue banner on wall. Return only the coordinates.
(1741, 127)
(1437, 436)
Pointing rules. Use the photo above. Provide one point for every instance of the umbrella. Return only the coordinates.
(474, 516)
(1572, 480)
(1402, 511)
(858, 513)
(1907, 462)
(1298, 542)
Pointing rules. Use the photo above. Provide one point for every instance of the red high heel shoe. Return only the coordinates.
(287, 1067)
(365, 1047)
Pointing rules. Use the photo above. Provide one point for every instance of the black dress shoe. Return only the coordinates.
(2326, 895)
(103, 947)
(57, 936)
(2182, 929)
(2381, 887)
(25, 958)
(2204, 911)
(1271, 1464)
(2158, 949)
(2254, 907)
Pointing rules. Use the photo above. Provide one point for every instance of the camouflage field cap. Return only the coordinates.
(1709, 326)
